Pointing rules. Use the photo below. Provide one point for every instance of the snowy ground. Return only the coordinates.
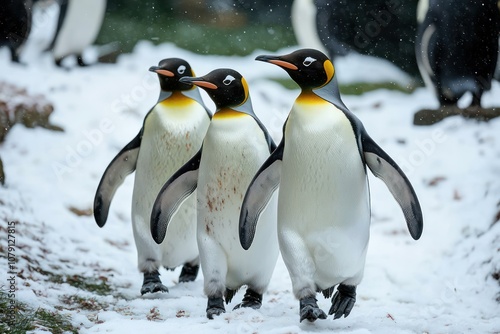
(442, 283)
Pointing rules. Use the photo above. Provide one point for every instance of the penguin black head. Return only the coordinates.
(226, 87)
(309, 68)
(169, 72)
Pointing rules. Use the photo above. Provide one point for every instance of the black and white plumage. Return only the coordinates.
(78, 25)
(323, 200)
(172, 133)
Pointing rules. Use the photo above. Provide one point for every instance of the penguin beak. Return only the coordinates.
(161, 71)
(277, 61)
(198, 81)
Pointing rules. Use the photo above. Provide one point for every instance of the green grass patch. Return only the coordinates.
(201, 38)
(97, 285)
(74, 302)
(22, 318)
(354, 88)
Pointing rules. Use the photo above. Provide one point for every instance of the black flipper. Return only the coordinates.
(383, 167)
(182, 184)
(258, 194)
(120, 167)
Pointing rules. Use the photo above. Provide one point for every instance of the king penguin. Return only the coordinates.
(323, 198)
(78, 25)
(457, 47)
(235, 146)
(171, 134)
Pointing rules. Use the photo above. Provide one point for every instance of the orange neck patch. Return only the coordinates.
(227, 113)
(176, 98)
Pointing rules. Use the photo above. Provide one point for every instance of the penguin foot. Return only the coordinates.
(152, 283)
(80, 61)
(251, 299)
(309, 310)
(343, 301)
(215, 306)
(188, 273)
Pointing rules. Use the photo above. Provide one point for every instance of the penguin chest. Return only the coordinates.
(233, 150)
(323, 189)
(172, 135)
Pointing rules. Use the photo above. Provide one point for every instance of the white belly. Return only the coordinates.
(233, 151)
(323, 198)
(168, 142)
(80, 27)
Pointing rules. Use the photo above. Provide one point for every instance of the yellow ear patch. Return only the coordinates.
(329, 70)
(245, 88)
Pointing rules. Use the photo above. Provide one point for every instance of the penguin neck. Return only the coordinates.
(164, 94)
(226, 112)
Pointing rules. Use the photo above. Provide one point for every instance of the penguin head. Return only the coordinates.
(309, 68)
(226, 87)
(169, 72)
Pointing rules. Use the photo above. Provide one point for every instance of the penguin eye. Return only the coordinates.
(228, 80)
(181, 69)
(308, 61)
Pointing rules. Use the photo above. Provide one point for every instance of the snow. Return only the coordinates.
(440, 284)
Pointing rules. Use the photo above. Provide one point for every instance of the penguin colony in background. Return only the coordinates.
(15, 25)
(172, 133)
(78, 25)
(233, 168)
(457, 47)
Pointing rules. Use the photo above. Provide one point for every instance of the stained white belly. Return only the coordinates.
(233, 151)
(323, 196)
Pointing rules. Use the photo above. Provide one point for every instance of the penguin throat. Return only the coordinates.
(175, 98)
(308, 96)
(227, 113)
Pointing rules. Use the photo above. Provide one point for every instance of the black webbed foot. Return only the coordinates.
(251, 299)
(152, 283)
(188, 273)
(343, 301)
(309, 310)
(215, 306)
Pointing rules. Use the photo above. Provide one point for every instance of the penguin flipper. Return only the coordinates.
(120, 167)
(180, 185)
(258, 194)
(383, 167)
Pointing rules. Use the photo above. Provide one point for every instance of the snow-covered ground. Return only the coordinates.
(442, 283)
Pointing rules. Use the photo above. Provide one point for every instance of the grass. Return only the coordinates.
(201, 38)
(354, 88)
(27, 319)
(97, 285)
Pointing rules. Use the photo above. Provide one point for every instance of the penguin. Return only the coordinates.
(172, 133)
(457, 47)
(78, 25)
(235, 146)
(323, 198)
(15, 25)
